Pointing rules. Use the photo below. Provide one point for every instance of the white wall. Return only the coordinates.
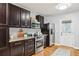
(75, 28)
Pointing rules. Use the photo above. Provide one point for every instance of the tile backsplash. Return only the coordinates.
(13, 31)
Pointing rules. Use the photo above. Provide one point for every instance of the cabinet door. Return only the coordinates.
(31, 41)
(25, 18)
(26, 48)
(17, 48)
(28, 22)
(14, 15)
(29, 47)
(31, 51)
(17, 51)
(2, 13)
(5, 52)
(3, 36)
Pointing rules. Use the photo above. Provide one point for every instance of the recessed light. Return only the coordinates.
(63, 6)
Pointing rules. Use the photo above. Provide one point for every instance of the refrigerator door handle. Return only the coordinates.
(61, 33)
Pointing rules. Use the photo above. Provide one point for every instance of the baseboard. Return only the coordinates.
(76, 48)
(57, 44)
(67, 46)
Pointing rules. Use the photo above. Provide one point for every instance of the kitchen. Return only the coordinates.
(22, 34)
(39, 29)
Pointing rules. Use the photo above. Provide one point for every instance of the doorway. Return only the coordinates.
(66, 36)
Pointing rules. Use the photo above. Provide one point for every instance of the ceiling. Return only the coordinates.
(49, 8)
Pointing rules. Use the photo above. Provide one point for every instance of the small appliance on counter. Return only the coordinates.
(20, 33)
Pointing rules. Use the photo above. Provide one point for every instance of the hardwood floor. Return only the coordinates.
(50, 50)
(47, 51)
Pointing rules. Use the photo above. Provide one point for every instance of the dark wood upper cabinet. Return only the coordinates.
(41, 20)
(18, 17)
(2, 13)
(25, 18)
(14, 15)
(28, 22)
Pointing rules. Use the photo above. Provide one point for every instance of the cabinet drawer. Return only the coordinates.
(31, 46)
(16, 43)
(29, 52)
(31, 41)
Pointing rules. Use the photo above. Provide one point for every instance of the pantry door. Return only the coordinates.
(66, 36)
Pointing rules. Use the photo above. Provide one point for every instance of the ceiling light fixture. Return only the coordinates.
(63, 6)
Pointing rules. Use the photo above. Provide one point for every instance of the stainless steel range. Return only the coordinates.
(39, 43)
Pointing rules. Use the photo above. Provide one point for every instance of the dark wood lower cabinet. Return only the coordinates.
(22, 48)
(4, 52)
(17, 48)
(17, 51)
(29, 47)
(30, 51)
(3, 36)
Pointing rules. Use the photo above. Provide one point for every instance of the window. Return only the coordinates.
(66, 26)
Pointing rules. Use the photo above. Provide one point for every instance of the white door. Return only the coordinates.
(66, 36)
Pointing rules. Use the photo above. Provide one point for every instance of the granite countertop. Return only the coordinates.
(22, 38)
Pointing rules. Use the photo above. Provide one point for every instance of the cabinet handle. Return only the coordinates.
(31, 40)
(61, 33)
(18, 43)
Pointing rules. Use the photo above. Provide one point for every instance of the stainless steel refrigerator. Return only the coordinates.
(49, 33)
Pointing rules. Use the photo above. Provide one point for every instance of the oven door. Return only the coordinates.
(39, 43)
(39, 46)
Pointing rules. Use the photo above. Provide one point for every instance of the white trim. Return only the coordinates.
(57, 44)
(76, 47)
(67, 45)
